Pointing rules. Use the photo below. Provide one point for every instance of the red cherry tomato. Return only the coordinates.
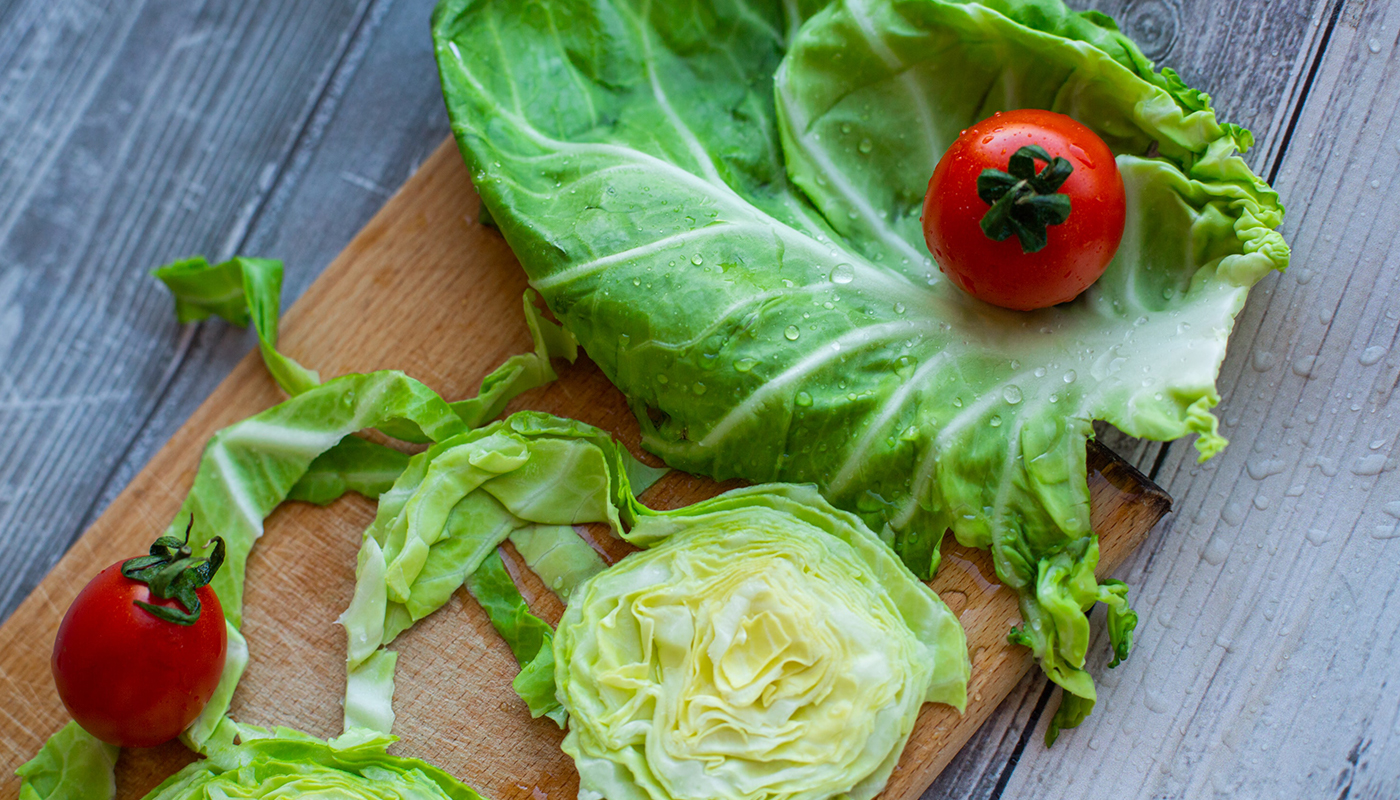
(128, 677)
(1076, 251)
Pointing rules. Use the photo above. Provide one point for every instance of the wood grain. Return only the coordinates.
(1255, 59)
(131, 133)
(1268, 661)
(425, 289)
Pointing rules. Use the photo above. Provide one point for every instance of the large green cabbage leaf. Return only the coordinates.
(720, 200)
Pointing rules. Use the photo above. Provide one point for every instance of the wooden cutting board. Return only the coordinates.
(426, 289)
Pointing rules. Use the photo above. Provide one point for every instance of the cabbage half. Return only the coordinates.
(721, 201)
(771, 647)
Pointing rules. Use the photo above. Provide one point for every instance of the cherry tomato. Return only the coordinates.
(1076, 251)
(128, 677)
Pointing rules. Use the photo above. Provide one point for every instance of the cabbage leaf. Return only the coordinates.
(287, 763)
(243, 290)
(528, 478)
(240, 290)
(721, 202)
(72, 765)
(530, 638)
(354, 465)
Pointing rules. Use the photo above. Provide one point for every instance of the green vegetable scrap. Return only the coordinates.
(287, 763)
(72, 765)
(529, 479)
(760, 166)
(243, 289)
(240, 290)
(530, 638)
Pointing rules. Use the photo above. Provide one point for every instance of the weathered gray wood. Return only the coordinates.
(1267, 662)
(132, 133)
(1255, 59)
(381, 114)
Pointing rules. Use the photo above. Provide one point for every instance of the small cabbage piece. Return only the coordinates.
(754, 653)
(243, 290)
(72, 765)
(722, 203)
(286, 763)
(240, 290)
(529, 479)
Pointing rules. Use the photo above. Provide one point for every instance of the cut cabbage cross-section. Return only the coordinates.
(755, 653)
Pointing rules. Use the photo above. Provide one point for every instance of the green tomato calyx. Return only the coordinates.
(173, 572)
(1023, 202)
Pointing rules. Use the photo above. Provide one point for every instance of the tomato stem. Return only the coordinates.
(1023, 202)
(173, 572)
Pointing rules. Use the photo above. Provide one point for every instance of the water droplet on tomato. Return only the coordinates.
(1079, 153)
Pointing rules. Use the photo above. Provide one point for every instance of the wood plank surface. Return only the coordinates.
(131, 133)
(1268, 664)
(425, 289)
(89, 105)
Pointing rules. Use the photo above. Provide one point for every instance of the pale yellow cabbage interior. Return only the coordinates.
(749, 656)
